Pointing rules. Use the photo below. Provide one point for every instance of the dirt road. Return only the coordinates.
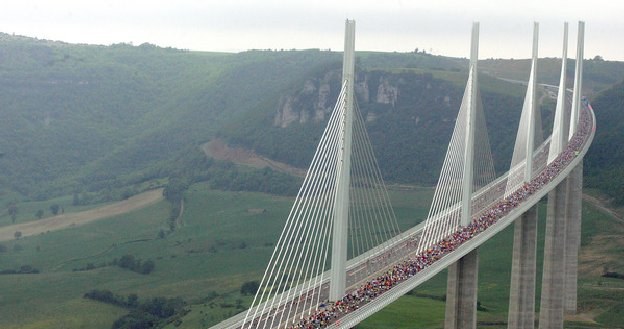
(80, 218)
(602, 205)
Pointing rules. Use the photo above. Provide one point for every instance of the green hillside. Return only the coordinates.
(604, 164)
(105, 121)
(83, 125)
(419, 122)
(89, 118)
(225, 240)
(598, 74)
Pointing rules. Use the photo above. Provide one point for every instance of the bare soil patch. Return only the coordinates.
(598, 253)
(587, 317)
(255, 211)
(80, 218)
(219, 150)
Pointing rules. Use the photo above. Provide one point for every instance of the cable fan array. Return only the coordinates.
(295, 281)
(372, 221)
(516, 174)
(445, 212)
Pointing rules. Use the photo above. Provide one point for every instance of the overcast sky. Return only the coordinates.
(441, 27)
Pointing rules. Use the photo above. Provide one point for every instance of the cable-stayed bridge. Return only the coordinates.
(341, 256)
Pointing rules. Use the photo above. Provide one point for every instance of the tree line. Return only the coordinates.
(127, 262)
(150, 313)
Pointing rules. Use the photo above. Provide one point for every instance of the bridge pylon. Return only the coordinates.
(559, 138)
(462, 281)
(523, 265)
(563, 225)
(575, 190)
(341, 205)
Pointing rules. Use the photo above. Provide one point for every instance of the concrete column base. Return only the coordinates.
(461, 293)
(522, 292)
(573, 237)
(553, 276)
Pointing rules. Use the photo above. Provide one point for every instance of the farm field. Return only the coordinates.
(226, 239)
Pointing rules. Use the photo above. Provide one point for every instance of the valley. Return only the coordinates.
(189, 161)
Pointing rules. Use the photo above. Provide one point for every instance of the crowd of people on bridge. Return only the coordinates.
(329, 313)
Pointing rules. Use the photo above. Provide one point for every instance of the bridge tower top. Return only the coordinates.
(562, 117)
(532, 113)
(473, 76)
(529, 133)
(578, 80)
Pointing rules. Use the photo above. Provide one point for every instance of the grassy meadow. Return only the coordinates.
(225, 239)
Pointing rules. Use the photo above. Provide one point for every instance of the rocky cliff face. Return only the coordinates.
(378, 93)
(285, 114)
(387, 93)
(311, 103)
(316, 98)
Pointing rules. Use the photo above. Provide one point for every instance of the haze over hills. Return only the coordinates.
(81, 118)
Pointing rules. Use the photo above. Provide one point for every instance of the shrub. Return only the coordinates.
(250, 287)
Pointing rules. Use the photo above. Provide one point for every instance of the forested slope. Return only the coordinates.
(66, 107)
(410, 117)
(80, 118)
(598, 74)
(604, 165)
